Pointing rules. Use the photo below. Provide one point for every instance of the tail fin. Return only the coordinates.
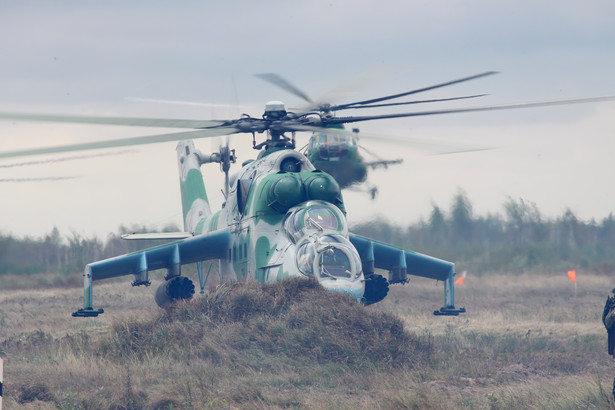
(195, 205)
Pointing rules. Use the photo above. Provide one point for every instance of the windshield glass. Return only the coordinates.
(335, 262)
(314, 217)
(325, 139)
(320, 218)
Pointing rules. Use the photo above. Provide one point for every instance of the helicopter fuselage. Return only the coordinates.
(285, 218)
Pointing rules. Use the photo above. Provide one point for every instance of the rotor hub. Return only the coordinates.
(275, 110)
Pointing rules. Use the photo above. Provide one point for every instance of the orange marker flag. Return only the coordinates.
(572, 276)
(459, 280)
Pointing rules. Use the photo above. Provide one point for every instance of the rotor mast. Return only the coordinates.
(275, 114)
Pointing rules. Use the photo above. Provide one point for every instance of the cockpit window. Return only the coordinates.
(328, 256)
(335, 262)
(243, 189)
(330, 146)
(320, 218)
(315, 217)
(331, 138)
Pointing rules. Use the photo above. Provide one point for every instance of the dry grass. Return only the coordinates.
(526, 342)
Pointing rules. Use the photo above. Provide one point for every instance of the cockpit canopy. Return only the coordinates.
(319, 231)
(331, 256)
(331, 145)
(320, 138)
(314, 217)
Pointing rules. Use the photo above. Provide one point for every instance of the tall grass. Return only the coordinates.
(522, 344)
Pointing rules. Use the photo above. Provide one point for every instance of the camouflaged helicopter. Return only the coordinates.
(282, 216)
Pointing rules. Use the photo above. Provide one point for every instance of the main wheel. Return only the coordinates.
(376, 289)
(178, 287)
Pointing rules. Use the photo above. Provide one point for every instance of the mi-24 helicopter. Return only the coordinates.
(282, 217)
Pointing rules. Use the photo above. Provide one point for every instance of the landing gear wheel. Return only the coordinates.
(176, 288)
(376, 289)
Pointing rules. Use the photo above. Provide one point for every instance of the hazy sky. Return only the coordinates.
(86, 57)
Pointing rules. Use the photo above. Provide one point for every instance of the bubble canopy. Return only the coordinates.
(334, 262)
(314, 217)
(331, 256)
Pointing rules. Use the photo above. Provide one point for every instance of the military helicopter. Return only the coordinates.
(339, 154)
(282, 217)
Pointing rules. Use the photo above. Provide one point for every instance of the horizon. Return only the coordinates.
(446, 210)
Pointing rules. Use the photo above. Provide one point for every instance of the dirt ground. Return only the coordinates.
(524, 340)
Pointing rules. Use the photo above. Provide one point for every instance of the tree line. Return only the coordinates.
(520, 239)
(55, 253)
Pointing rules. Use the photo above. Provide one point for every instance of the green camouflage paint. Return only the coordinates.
(262, 253)
(239, 256)
(191, 189)
(213, 221)
(282, 274)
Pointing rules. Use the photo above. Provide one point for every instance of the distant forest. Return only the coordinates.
(518, 240)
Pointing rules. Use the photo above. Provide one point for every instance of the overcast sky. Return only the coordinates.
(86, 57)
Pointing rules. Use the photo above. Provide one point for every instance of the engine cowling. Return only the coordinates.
(323, 187)
(285, 192)
(292, 188)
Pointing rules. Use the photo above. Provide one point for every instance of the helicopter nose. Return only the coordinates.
(355, 289)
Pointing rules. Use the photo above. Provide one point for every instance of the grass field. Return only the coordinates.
(526, 341)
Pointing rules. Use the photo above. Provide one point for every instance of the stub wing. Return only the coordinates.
(169, 256)
(400, 263)
(383, 163)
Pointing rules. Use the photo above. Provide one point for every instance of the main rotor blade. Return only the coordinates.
(420, 90)
(284, 84)
(74, 157)
(346, 120)
(36, 179)
(417, 102)
(175, 136)
(422, 144)
(314, 128)
(350, 83)
(136, 122)
(180, 102)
